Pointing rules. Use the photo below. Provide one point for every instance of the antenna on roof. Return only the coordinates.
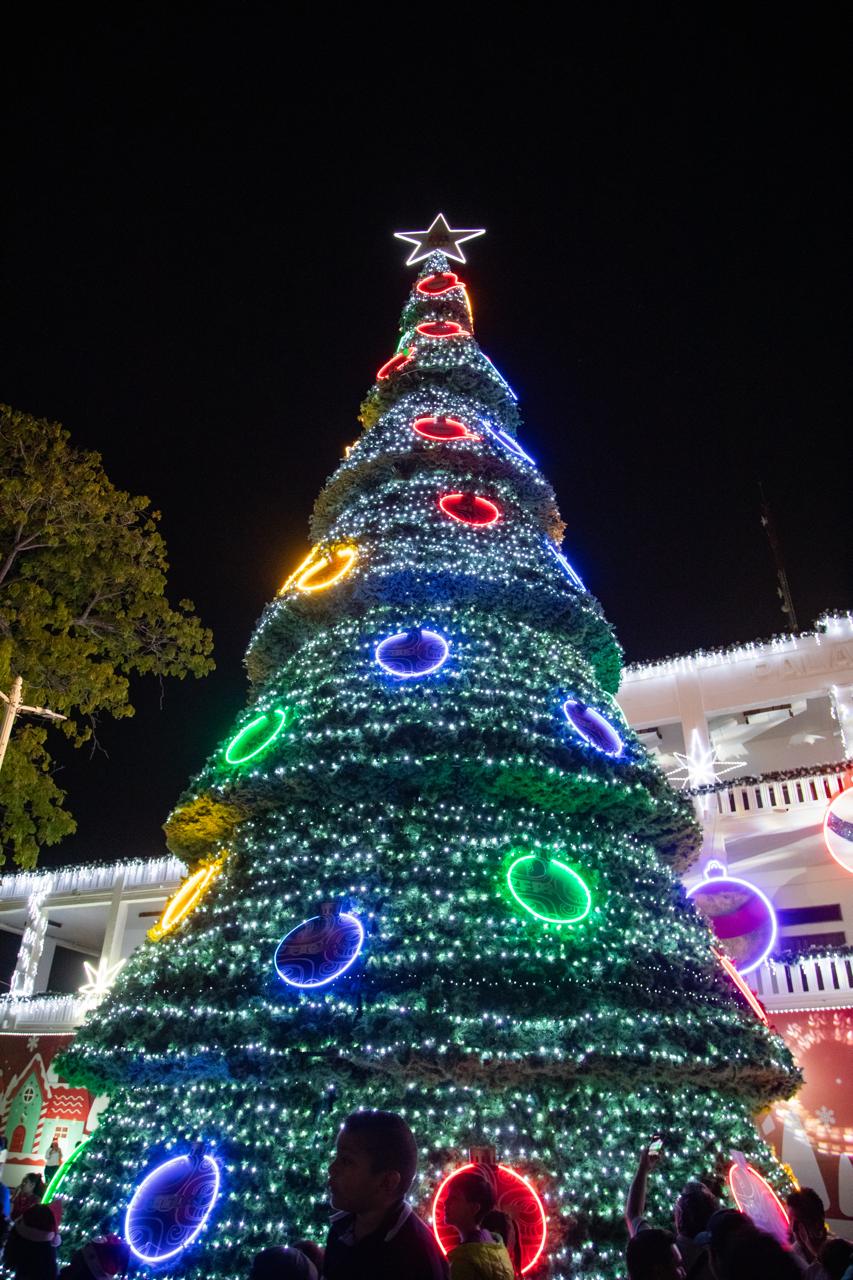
(783, 590)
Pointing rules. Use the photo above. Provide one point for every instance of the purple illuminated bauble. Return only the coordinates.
(593, 727)
(170, 1207)
(411, 653)
(740, 915)
(319, 950)
(838, 828)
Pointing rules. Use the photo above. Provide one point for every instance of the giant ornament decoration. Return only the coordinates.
(259, 734)
(470, 508)
(442, 329)
(740, 915)
(170, 1207)
(398, 362)
(411, 654)
(754, 1196)
(322, 569)
(515, 1196)
(186, 899)
(442, 429)
(320, 949)
(592, 726)
(838, 828)
(548, 889)
(435, 285)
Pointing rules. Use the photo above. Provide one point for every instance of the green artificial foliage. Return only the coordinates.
(83, 608)
(407, 802)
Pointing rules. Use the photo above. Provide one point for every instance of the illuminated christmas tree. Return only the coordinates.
(432, 870)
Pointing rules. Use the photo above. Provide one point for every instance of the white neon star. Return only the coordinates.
(440, 236)
(100, 979)
(701, 766)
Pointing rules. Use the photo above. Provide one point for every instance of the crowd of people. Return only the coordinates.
(374, 1233)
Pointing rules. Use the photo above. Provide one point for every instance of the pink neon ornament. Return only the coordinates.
(514, 1196)
(443, 282)
(442, 329)
(753, 1195)
(838, 828)
(441, 429)
(400, 361)
(470, 508)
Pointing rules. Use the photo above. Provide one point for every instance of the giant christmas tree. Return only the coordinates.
(431, 772)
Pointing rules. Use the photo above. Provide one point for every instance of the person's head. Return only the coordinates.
(29, 1182)
(470, 1196)
(653, 1255)
(835, 1257)
(693, 1209)
(375, 1162)
(807, 1219)
(755, 1253)
(279, 1263)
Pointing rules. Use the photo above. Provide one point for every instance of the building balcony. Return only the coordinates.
(805, 982)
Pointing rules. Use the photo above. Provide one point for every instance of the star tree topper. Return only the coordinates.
(439, 237)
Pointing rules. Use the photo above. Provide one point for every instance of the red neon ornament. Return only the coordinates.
(432, 286)
(748, 995)
(441, 428)
(400, 361)
(442, 329)
(469, 508)
(514, 1196)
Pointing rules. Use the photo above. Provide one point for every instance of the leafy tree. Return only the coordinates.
(83, 607)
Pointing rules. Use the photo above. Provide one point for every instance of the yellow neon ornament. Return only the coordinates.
(321, 569)
(186, 898)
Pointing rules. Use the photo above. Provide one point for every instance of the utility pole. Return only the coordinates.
(783, 590)
(15, 707)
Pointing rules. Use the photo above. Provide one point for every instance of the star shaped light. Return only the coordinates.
(700, 766)
(100, 979)
(439, 237)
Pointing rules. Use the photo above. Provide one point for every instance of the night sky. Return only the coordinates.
(199, 280)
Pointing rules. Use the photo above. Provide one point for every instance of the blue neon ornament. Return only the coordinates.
(170, 1207)
(591, 725)
(408, 655)
(320, 949)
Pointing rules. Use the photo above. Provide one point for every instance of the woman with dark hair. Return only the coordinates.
(29, 1193)
(30, 1251)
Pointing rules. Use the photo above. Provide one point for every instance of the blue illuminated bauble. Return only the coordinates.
(320, 949)
(592, 727)
(411, 654)
(170, 1207)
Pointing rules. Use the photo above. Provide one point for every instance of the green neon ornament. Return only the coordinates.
(59, 1177)
(549, 889)
(236, 753)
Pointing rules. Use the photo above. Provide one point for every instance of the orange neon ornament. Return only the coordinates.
(321, 569)
(186, 899)
(748, 995)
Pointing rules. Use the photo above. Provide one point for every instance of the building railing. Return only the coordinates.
(764, 795)
(805, 982)
(98, 878)
(45, 1013)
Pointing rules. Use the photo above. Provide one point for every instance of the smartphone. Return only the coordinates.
(655, 1145)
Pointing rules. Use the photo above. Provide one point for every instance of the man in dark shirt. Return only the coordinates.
(376, 1235)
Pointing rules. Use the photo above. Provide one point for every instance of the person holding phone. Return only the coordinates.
(652, 1258)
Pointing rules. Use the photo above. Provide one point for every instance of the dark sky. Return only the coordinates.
(199, 280)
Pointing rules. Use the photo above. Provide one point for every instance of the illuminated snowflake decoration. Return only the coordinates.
(701, 766)
(100, 979)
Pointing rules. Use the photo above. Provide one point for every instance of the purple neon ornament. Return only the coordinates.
(741, 916)
(320, 949)
(170, 1207)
